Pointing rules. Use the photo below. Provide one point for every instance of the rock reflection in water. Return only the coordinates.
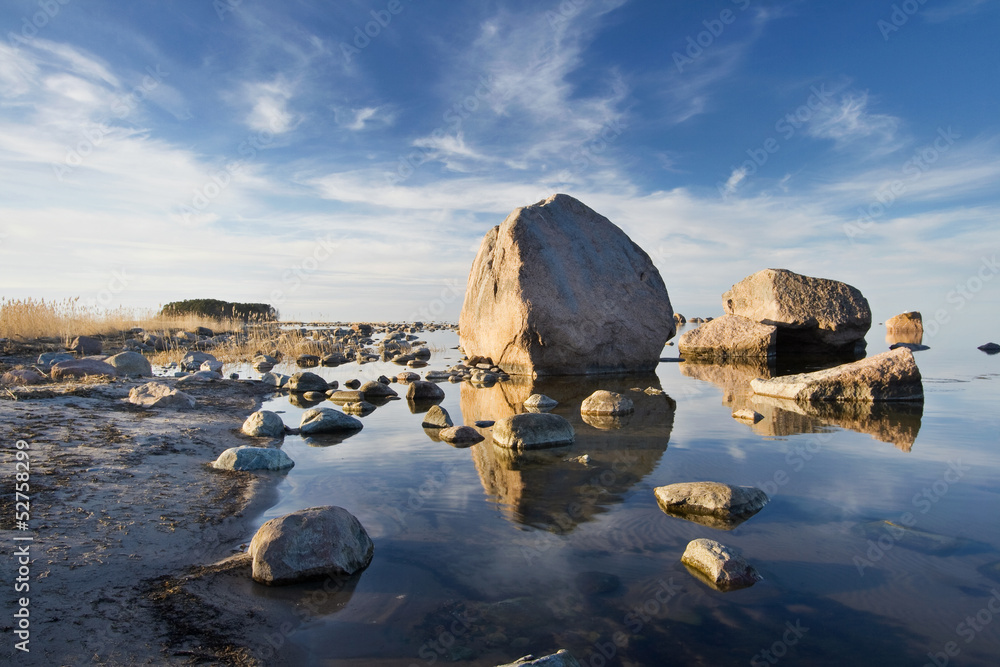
(557, 489)
(896, 423)
(911, 335)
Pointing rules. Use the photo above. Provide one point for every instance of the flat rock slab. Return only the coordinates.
(558, 289)
(722, 567)
(729, 337)
(310, 544)
(327, 420)
(561, 658)
(815, 310)
(264, 424)
(533, 430)
(890, 376)
(159, 395)
(253, 458)
(711, 504)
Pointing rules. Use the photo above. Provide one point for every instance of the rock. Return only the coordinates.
(131, 363)
(77, 368)
(905, 321)
(22, 377)
(213, 366)
(609, 403)
(808, 312)
(200, 376)
(407, 376)
(539, 403)
(680, 319)
(310, 544)
(375, 389)
(557, 289)
(203, 331)
(484, 423)
(193, 360)
(347, 396)
(747, 415)
(460, 435)
(422, 390)
(307, 361)
(561, 658)
(723, 567)
(264, 423)
(274, 379)
(262, 366)
(327, 420)
(159, 395)
(711, 504)
(729, 337)
(304, 381)
(912, 347)
(253, 458)
(437, 417)
(890, 376)
(48, 359)
(86, 346)
(989, 348)
(533, 430)
(360, 408)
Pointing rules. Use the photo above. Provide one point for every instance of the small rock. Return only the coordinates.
(912, 347)
(310, 544)
(484, 423)
(360, 408)
(540, 402)
(327, 420)
(603, 402)
(274, 379)
(652, 391)
(214, 366)
(131, 363)
(307, 361)
(460, 435)
(159, 395)
(347, 396)
(747, 415)
(304, 381)
(712, 504)
(437, 417)
(253, 458)
(407, 376)
(375, 389)
(47, 359)
(724, 567)
(264, 423)
(76, 368)
(990, 348)
(421, 390)
(193, 360)
(86, 346)
(533, 430)
(22, 377)
(200, 376)
(314, 395)
(353, 383)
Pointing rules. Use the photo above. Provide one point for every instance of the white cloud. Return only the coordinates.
(269, 106)
(851, 121)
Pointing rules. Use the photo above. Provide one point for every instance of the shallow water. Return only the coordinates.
(481, 558)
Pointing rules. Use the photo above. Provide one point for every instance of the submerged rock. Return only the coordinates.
(159, 395)
(890, 376)
(558, 289)
(561, 658)
(253, 458)
(310, 544)
(603, 402)
(533, 430)
(729, 337)
(711, 504)
(808, 312)
(722, 567)
(264, 423)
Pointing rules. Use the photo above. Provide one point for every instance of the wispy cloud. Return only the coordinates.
(952, 10)
(851, 121)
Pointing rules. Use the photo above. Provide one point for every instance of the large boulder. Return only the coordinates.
(558, 289)
(304, 381)
(729, 337)
(131, 363)
(78, 368)
(723, 567)
(422, 390)
(533, 430)
(711, 504)
(252, 458)
(310, 544)
(890, 376)
(809, 312)
(159, 395)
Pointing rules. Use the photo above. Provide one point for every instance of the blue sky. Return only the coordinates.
(343, 160)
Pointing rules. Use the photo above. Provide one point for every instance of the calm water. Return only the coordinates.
(481, 557)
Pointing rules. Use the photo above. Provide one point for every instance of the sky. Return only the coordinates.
(343, 160)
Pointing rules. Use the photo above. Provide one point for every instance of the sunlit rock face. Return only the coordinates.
(558, 289)
(556, 489)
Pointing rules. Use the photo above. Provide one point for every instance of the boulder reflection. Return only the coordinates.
(896, 423)
(556, 489)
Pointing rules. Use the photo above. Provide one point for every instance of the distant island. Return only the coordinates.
(215, 308)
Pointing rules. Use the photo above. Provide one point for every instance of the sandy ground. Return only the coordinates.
(127, 519)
